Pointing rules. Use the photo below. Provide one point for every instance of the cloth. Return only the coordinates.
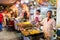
(4, 19)
(14, 9)
(11, 23)
(1, 17)
(37, 18)
(48, 26)
(0, 26)
(8, 15)
(16, 21)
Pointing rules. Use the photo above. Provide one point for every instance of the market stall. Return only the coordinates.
(27, 29)
(31, 31)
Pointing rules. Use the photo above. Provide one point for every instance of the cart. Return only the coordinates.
(30, 31)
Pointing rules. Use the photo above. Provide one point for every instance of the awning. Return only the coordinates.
(6, 2)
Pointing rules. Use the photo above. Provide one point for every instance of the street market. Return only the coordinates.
(29, 19)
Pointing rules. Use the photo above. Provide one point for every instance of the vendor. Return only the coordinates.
(48, 26)
(25, 15)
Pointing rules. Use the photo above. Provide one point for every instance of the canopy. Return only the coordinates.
(6, 2)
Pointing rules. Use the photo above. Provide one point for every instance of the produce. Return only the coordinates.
(34, 32)
(25, 32)
(25, 22)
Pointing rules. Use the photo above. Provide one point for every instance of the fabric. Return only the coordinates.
(37, 18)
(8, 15)
(4, 19)
(0, 26)
(14, 9)
(16, 21)
(11, 23)
(48, 26)
(1, 17)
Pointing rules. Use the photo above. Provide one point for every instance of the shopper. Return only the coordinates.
(4, 17)
(48, 26)
(37, 17)
(1, 19)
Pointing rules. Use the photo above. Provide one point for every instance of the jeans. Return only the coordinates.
(0, 26)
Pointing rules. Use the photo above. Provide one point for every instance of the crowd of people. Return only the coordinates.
(10, 19)
(48, 23)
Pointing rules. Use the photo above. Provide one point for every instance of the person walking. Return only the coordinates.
(1, 19)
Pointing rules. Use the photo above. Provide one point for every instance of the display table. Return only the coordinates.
(28, 30)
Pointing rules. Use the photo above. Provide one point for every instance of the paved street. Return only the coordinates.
(6, 35)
